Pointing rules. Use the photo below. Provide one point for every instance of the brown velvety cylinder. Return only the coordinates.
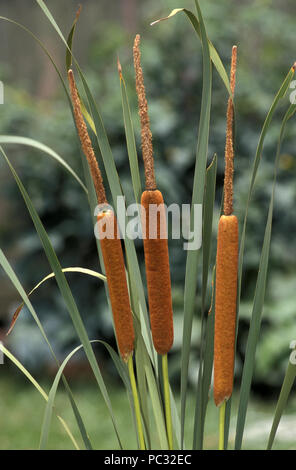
(117, 284)
(225, 307)
(158, 273)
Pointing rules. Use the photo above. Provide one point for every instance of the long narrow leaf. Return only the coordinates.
(282, 401)
(88, 272)
(197, 198)
(12, 139)
(202, 393)
(130, 141)
(51, 398)
(213, 52)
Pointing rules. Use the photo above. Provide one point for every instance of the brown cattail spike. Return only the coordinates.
(86, 142)
(229, 152)
(146, 135)
(157, 271)
(225, 307)
(117, 284)
(155, 240)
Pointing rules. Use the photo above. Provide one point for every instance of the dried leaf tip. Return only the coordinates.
(119, 68)
(78, 12)
(229, 151)
(146, 135)
(86, 142)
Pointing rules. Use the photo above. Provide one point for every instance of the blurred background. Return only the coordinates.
(35, 106)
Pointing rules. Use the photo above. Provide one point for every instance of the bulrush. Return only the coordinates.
(110, 242)
(154, 230)
(226, 270)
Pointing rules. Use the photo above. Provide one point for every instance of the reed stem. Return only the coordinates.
(222, 425)
(167, 401)
(136, 403)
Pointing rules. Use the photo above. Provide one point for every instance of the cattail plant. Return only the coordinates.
(155, 242)
(152, 370)
(226, 273)
(112, 254)
(111, 246)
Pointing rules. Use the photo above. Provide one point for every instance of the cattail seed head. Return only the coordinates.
(158, 273)
(117, 284)
(155, 241)
(226, 269)
(225, 307)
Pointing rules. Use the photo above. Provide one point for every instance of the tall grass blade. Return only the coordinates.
(40, 43)
(50, 401)
(254, 331)
(193, 256)
(153, 389)
(70, 40)
(143, 391)
(88, 272)
(122, 370)
(215, 58)
(156, 405)
(130, 141)
(202, 393)
(209, 200)
(282, 401)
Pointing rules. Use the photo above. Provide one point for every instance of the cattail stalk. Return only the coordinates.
(86, 142)
(229, 152)
(222, 426)
(136, 403)
(156, 245)
(167, 404)
(226, 274)
(110, 244)
(146, 135)
(156, 248)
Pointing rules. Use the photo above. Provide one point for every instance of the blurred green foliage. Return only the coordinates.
(171, 55)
